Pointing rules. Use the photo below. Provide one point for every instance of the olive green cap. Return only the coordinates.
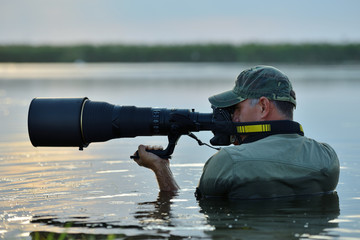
(254, 83)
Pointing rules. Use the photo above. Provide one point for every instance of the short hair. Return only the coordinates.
(285, 108)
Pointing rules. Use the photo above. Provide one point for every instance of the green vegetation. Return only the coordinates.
(74, 236)
(290, 53)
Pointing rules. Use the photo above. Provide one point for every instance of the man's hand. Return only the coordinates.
(148, 159)
(161, 168)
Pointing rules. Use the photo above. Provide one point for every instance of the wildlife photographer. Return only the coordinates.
(263, 165)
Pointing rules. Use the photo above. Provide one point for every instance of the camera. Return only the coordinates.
(77, 122)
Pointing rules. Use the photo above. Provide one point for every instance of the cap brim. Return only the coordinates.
(225, 99)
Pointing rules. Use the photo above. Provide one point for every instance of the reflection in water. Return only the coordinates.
(272, 218)
(159, 212)
(148, 213)
(98, 192)
(73, 228)
(288, 218)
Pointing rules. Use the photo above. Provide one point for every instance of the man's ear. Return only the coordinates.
(236, 117)
(265, 107)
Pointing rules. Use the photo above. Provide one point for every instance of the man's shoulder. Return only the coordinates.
(282, 148)
(272, 143)
(277, 142)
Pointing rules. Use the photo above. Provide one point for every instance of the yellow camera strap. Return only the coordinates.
(272, 127)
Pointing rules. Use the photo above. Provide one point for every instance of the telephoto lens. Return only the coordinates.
(56, 122)
(78, 122)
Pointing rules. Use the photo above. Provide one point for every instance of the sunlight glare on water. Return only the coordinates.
(99, 191)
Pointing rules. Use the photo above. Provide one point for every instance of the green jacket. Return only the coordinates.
(275, 166)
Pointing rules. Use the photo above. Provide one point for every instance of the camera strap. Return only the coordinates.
(202, 143)
(270, 127)
(256, 130)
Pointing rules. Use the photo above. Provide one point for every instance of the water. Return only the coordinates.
(99, 193)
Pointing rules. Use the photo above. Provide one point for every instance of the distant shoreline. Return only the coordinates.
(259, 53)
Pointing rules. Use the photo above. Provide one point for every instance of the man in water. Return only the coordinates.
(261, 165)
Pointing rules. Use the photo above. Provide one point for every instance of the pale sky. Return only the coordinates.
(178, 21)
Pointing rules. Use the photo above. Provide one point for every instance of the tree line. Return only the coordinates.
(289, 53)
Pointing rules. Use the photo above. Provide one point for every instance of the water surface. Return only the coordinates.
(100, 191)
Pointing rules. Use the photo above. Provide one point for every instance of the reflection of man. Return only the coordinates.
(282, 218)
(262, 165)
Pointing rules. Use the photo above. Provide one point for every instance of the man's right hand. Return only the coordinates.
(148, 159)
(160, 166)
